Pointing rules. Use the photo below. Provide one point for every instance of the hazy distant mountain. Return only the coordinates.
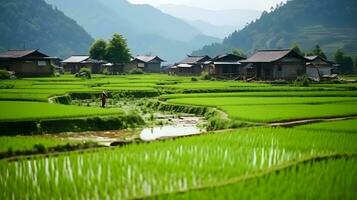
(33, 24)
(330, 23)
(236, 18)
(212, 30)
(147, 29)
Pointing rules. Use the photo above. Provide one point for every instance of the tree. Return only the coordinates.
(117, 50)
(356, 65)
(347, 65)
(297, 49)
(318, 52)
(98, 50)
(239, 52)
(339, 55)
(345, 62)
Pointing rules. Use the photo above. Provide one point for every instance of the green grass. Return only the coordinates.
(18, 143)
(167, 166)
(331, 179)
(349, 126)
(12, 110)
(274, 113)
(229, 101)
(265, 94)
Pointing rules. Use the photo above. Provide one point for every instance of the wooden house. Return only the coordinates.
(74, 63)
(226, 66)
(318, 67)
(149, 64)
(192, 65)
(27, 63)
(277, 64)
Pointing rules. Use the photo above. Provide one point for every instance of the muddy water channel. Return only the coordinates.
(159, 125)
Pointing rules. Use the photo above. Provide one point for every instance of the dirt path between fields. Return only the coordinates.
(309, 121)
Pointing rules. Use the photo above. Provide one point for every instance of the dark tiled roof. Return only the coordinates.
(313, 58)
(147, 59)
(227, 57)
(267, 56)
(194, 59)
(21, 53)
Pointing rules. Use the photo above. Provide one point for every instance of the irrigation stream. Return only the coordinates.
(175, 126)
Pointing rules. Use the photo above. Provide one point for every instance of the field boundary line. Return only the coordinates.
(294, 123)
(259, 173)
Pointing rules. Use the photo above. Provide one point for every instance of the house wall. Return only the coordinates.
(281, 70)
(313, 73)
(28, 67)
(152, 67)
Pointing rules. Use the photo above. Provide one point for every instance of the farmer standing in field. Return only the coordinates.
(104, 98)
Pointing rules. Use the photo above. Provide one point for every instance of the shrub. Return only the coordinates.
(4, 74)
(206, 76)
(194, 79)
(302, 81)
(84, 73)
(136, 71)
(106, 71)
(40, 148)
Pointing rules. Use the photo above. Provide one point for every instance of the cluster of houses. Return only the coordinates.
(262, 65)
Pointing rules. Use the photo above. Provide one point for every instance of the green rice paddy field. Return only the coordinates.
(311, 161)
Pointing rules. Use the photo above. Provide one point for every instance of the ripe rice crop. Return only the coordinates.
(167, 166)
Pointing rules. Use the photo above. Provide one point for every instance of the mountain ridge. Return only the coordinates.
(34, 24)
(330, 23)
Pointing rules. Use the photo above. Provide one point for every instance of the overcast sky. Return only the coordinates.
(217, 4)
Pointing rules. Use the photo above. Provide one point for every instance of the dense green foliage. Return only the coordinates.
(35, 24)
(4, 75)
(345, 62)
(98, 50)
(330, 23)
(117, 50)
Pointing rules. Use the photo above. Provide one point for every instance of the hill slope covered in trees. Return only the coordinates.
(330, 23)
(34, 24)
(147, 29)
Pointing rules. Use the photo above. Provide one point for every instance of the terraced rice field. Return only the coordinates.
(14, 110)
(162, 167)
(313, 161)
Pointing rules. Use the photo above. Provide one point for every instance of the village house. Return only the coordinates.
(149, 64)
(318, 67)
(27, 62)
(277, 64)
(192, 65)
(74, 63)
(226, 66)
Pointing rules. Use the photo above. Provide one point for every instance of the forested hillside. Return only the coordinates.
(34, 24)
(330, 23)
(146, 28)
